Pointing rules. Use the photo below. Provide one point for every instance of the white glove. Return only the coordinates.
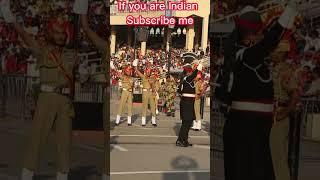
(288, 16)
(5, 11)
(199, 67)
(135, 63)
(112, 65)
(80, 6)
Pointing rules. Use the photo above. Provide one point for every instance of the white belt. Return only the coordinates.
(52, 89)
(251, 106)
(146, 90)
(124, 89)
(188, 95)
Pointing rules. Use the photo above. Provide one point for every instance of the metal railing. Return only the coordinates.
(19, 94)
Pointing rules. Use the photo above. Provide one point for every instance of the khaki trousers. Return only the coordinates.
(279, 149)
(126, 99)
(146, 98)
(53, 112)
(197, 109)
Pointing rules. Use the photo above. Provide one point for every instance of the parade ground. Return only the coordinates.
(144, 153)
(141, 153)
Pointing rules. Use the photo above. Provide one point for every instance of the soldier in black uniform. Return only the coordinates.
(187, 114)
(248, 125)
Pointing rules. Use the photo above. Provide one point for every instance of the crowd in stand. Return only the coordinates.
(157, 58)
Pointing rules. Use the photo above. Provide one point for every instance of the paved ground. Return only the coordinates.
(144, 153)
(136, 152)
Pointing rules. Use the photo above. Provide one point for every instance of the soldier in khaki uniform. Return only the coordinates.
(103, 45)
(126, 96)
(156, 88)
(54, 107)
(197, 102)
(286, 97)
(147, 91)
(170, 93)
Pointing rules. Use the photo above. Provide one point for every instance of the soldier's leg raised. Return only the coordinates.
(279, 149)
(41, 125)
(63, 134)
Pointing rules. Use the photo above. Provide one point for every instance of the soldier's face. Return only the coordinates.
(58, 36)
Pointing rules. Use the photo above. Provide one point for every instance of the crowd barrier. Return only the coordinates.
(19, 93)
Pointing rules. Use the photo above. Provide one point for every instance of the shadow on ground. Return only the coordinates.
(184, 163)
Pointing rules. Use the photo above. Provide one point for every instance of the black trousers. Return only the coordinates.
(246, 147)
(187, 115)
(184, 129)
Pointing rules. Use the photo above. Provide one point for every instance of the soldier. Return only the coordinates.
(286, 98)
(170, 92)
(199, 90)
(126, 95)
(249, 121)
(187, 114)
(155, 88)
(146, 94)
(54, 109)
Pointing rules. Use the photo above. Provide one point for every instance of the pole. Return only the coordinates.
(134, 43)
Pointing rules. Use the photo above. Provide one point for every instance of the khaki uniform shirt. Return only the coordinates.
(127, 82)
(284, 82)
(50, 72)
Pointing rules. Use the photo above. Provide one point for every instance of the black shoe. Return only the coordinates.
(154, 125)
(196, 129)
(143, 125)
(129, 124)
(168, 114)
(187, 143)
(173, 115)
(179, 143)
(117, 124)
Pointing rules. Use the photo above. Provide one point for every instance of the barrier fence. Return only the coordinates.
(19, 93)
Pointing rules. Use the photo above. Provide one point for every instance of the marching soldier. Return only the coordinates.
(147, 92)
(197, 103)
(249, 121)
(126, 96)
(187, 113)
(286, 97)
(170, 92)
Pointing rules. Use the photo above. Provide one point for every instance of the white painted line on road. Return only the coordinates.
(157, 136)
(201, 146)
(87, 147)
(119, 148)
(160, 172)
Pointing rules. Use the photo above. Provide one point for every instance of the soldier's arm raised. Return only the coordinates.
(81, 7)
(100, 43)
(26, 37)
(10, 18)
